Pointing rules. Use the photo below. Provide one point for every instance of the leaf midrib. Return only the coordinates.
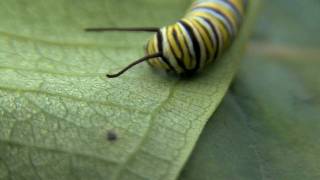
(151, 123)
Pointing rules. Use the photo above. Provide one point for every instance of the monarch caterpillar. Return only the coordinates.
(187, 46)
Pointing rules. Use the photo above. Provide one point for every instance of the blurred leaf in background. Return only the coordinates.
(60, 118)
(268, 126)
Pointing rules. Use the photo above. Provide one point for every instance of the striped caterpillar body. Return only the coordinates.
(187, 46)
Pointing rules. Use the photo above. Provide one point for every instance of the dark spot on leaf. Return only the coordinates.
(112, 136)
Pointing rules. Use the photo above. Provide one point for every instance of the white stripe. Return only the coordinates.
(203, 53)
(190, 45)
(167, 51)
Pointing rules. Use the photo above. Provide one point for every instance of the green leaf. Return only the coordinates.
(268, 125)
(60, 118)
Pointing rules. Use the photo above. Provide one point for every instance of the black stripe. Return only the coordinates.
(215, 34)
(232, 33)
(179, 60)
(195, 42)
(160, 39)
(203, 39)
(160, 48)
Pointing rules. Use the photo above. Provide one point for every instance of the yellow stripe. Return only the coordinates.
(170, 52)
(172, 42)
(154, 50)
(151, 50)
(219, 25)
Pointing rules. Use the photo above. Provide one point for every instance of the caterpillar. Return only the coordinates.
(200, 37)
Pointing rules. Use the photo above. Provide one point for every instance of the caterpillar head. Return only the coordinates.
(155, 46)
(170, 55)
